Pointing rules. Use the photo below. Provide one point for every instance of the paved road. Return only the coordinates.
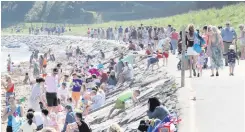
(219, 105)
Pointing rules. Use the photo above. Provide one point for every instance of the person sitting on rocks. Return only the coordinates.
(112, 81)
(122, 98)
(111, 65)
(156, 110)
(119, 67)
(97, 100)
(26, 79)
(102, 54)
(131, 46)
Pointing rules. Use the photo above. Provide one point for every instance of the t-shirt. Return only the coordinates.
(153, 60)
(174, 36)
(97, 101)
(38, 118)
(52, 83)
(125, 95)
(28, 128)
(120, 30)
(63, 92)
(77, 83)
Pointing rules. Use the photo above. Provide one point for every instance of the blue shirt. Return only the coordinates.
(77, 83)
(227, 34)
(120, 30)
(231, 56)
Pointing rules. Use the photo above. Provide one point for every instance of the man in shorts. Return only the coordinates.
(51, 82)
(122, 98)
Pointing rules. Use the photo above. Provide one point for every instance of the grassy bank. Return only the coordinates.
(234, 13)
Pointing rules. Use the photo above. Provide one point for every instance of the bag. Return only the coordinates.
(197, 48)
(142, 126)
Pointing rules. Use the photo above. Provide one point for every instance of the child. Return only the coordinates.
(54, 122)
(152, 61)
(27, 78)
(231, 59)
(166, 48)
(200, 62)
(122, 98)
(69, 102)
(11, 68)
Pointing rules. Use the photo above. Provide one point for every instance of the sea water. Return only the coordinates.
(18, 55)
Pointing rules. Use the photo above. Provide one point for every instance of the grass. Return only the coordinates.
(234, 13)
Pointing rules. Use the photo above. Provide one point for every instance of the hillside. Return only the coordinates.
(95, 12)
(233, 13)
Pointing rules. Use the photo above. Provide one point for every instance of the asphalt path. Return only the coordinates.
(211, 104)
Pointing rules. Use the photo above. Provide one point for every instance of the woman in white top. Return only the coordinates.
(35, 97)
(29, 126)
(242, 41)
(63, 92)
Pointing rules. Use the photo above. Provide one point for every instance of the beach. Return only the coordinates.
(150, 83)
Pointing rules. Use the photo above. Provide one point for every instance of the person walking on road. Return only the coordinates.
(229, 35)
(215, 50)
(242, 41)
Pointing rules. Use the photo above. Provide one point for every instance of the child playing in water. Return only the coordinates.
(200, 63)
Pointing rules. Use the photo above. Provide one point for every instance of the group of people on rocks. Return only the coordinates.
(59, 101)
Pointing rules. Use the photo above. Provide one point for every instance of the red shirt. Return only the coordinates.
(11, 90)
(174, 36)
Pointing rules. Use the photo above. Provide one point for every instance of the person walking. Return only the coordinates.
(229, 35)
(51, 82)
(215, 50)
(242, 41)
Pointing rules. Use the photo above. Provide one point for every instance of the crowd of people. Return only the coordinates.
(56, 30)
(60, 100)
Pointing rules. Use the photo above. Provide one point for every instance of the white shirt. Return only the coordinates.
(97, 101)
(28, 128)
(51, 83)
(63, 92)
(38, 118)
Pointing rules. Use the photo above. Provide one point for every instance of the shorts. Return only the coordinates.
(51, 99)
(119, 104)
(191, 51)
(165, 54)
(44, 66)
(232, 65)
(76, 96)
(155, 38)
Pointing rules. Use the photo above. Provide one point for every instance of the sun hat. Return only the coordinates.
(232, 47)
